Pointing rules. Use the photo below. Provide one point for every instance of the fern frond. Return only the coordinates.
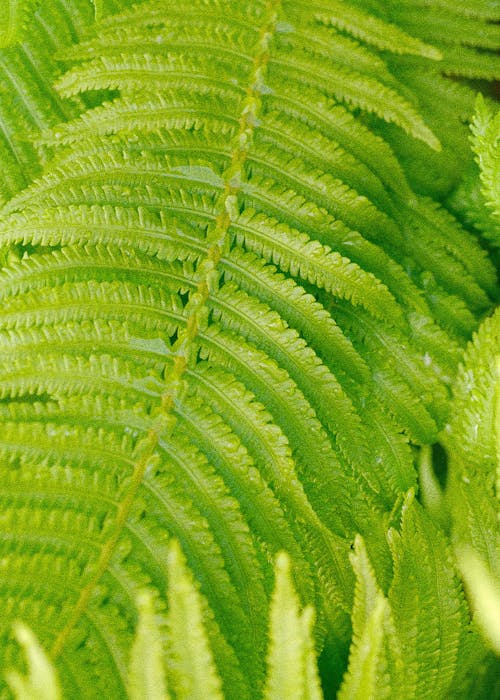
(484, 9)
(446, 25)
(185, 655)
(383, 347)
(41, 682)
(484, 593)
(467, 36)
(28, 102)
(292, 672)
(366, 674)
(472, 433)
(15, 15)
(427, 604)
(369, 671)
(147, 674)
(368, 28)
(471, 63)
(160, 73)
(471, 495)
(228, 310)
(299, 309)
(192, 669)
(485, 141)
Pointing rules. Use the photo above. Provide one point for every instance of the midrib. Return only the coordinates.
(184, 350)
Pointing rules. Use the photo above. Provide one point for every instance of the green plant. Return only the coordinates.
(234, 301)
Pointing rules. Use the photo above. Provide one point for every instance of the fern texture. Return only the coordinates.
(31, 34)
(231, 309)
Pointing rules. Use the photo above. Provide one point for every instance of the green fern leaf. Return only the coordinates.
(485, 141)
(28, 102)
(471, 438)
(98, 9)
(484, 592)
(230, 310)
(41, 682)
(15, 15)
(427, 604)
(192, 668)
(147, 674)
(484, 9)
(372, 30)
(369, 670)
(292, 672)
(439, 25)
(471, 495)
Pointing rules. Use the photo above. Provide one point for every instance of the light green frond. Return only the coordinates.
(484, 9)
(441, 26)
(161, 69)
(173, 111)
(370, 29)
(365, 675)
(484, 592)
(28, 102)
(471, 436)
(192, 672)
(472, 483)
(307, 259)
(15, 16)
(41, 683)
(312, 109)
(438, 237)
(147, 672)
(382, 346)
(98, 9)
(427, 604)
(466, 37)
(471, 63)
(486, 143)
(329, 400)
(298, 308)
(367, 591)
(292, 672)
(357, 90)
(375, 659)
